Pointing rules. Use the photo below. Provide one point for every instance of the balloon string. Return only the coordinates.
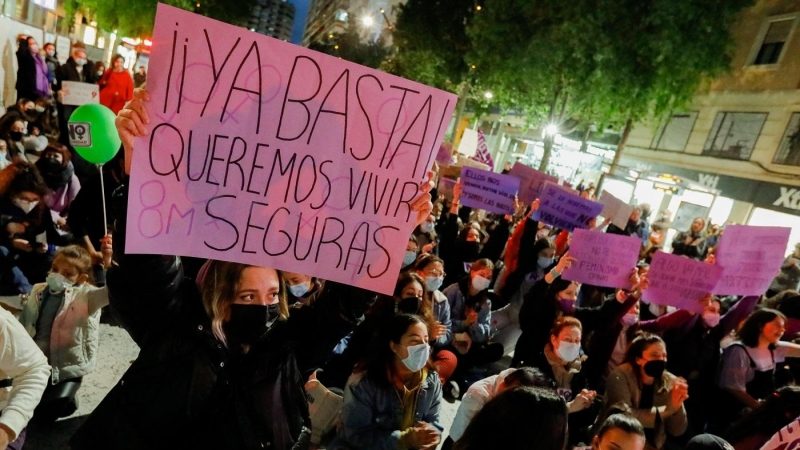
(103, 191)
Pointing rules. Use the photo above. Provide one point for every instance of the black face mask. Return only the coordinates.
(470, 251)
(409, 305)
(655, 368)
(50, 165)
(250, 323)
(15, 135)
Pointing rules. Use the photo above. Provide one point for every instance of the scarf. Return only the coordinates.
(55, 179)
(562, 373)
(42, 82)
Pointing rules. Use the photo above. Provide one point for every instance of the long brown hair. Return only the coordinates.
(219, 291)
(385, 307)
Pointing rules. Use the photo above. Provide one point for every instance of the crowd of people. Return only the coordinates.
(234, 356)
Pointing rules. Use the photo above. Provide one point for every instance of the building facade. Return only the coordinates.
(740, 140)
(325, 17)
(373, 19)
(272, 17)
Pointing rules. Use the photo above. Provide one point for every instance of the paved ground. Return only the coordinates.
(115, 354)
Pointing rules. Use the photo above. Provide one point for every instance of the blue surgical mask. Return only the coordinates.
(433, 283)
(568, 351)
(299, 290)
(409, 258)
(545, 262)
(479, 283)
(417, 357)
(426, 227)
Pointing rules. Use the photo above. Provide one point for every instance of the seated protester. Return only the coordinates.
(5, 156)
(756, 428)
(410, 297)
(698, 358)
(789, 276)
(498, 229)
(426, 237)
(13, 131)
(483, 391)
(23, 376)
(691, 243)
(708, 442)
(619, 431)
(412, 250)
(63, 318)
(34, 141)
(520, 418)
(459, 247)
(748, 367)
(394, 399)
(62, 185)
(302, 289)
(471, 315)
(654, 395)
(517, 277)
(431, 269)
(30, 234)
(787, 302)
(608, 345)
(552, 297)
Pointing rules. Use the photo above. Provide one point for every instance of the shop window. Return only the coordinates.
(673, 133)
(772, 40)
(789, 149)
(769, 218)
(734, 134)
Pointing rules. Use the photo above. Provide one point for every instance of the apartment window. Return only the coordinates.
(773, 40)
(789, 148)
(673, 133)
(734, 134)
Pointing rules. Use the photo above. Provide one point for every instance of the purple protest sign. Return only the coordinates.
(603, 259)
(681, 282)
(445, 154)
(445, 187)
(750, 258)
(487, 190)
(265, 153)
(531, 183)
(563, 209)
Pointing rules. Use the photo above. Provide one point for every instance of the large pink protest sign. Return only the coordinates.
(532, 181)
(602, 259)
(266, 153)
(562, 209)
(750, 258)
(680, 281)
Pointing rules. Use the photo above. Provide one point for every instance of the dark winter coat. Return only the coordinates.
(186, 389)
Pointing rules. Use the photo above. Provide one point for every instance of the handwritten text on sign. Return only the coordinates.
(603, 259)
(563, 209)
(76, 93)
(266, 153)
(787, 438)
(487, 190)
(532, 181)
(750, 258)
(680, 282)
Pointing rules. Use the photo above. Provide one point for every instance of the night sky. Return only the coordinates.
(301, 10)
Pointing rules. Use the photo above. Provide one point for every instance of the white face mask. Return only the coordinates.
(417, 357)
(479, 283)
(34, 48)
(711, 319)
(426, 227)
(433, 283)
(51, 53)
(24, 205)
(39, 109)
(568, 351)
(80, 61)
(58, 283)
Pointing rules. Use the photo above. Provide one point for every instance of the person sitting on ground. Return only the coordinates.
(62, 185)
(303, 289)
(757, 427)
(619, 431)
(394, 399)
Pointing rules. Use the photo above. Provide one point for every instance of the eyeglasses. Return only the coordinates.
(436, 273)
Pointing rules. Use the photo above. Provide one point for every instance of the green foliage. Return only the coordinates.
(349, 46)
(136, 17)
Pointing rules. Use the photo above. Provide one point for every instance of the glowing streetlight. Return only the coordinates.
(488, 95)
(367, 21)
(551, 130)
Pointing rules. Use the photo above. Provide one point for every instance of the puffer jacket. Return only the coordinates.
(75, 335)
(186, 389)
(371, 414)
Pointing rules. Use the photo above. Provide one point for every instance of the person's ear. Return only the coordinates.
(596, 443)
(554, 341)
(83, 278)
(394, 346)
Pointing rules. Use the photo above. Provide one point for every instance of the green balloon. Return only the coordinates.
(93, 134)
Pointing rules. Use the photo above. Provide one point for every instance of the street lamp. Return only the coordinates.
(551, 130)
(367, 21)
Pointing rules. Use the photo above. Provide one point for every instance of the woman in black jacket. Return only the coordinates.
(691, 242)
(32, 81)
(222, 368)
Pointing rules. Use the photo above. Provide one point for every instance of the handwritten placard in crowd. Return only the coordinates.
(679, 281)
(532, 181)
(602, 259)
(487, 190)
(267, 153)
(787, 438)
(76, 93)
(562, 209)
(618, 211)
(445, 187)
(750, 258)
